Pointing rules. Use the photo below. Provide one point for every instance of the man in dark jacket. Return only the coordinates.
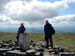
(48, 29)
(20, 30)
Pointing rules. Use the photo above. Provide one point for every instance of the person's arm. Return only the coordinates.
(44, 29)
(24, 29)
(18, 30)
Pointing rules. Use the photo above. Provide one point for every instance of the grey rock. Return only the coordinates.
(38, 54)
(67, 54)
(30, 52)
(62, 49)
(4, 49)
(40, 49)
(15, 53)
(24, 42)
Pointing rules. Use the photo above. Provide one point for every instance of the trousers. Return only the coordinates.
(48, 39)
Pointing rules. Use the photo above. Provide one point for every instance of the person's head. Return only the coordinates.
(21, 25)
(47, 22)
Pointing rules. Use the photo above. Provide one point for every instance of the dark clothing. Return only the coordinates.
(48, 29)
(48, 38)
(48, 34)
(20, 30)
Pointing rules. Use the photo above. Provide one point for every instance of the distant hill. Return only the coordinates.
(61, 29)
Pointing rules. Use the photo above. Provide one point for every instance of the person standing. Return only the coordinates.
(20, 30)
(49, 31)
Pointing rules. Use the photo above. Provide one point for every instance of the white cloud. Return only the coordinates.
(69, 1)
(66, 20)
(4, 18)
(33, 13)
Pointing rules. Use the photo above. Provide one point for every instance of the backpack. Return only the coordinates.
(53, 31)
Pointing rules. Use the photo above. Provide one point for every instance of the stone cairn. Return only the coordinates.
(8, 48)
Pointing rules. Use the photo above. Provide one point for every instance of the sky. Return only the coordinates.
(33, 13)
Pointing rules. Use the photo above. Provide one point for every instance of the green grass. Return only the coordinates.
(7, 36)
(66, 40)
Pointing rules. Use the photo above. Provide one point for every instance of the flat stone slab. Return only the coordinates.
(53, 50)
(30, 51)
(49, 52)
(17, 47)
(15, 53)
(67, 54)
(39, 49)
(46, 53)
(4, 49)
(38, 54)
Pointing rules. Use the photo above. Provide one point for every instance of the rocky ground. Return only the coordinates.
(36, 49)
